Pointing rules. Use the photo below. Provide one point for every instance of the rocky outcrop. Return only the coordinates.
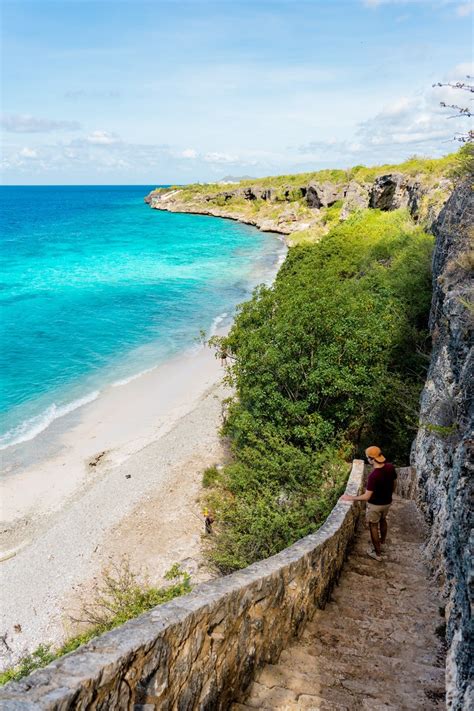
(322, 194)
(356, 197)
(442, 449)
(387, 192)
(392, 191)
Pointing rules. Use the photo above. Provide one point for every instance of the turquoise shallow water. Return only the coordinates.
(97, 287)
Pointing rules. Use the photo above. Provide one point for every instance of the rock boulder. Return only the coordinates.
(322, 194)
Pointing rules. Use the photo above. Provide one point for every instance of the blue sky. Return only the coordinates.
(126, 91)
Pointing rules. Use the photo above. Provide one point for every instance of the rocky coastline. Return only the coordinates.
(311, 208)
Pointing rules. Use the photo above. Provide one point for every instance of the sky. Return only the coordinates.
(177, 91)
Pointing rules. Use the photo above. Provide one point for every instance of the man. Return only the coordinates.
(378, 494)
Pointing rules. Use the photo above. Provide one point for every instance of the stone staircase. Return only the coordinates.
(378, 643)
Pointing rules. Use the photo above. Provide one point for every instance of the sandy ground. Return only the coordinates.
(134, 466)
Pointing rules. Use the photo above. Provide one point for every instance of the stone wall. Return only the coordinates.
(200, 651)
(442, 449)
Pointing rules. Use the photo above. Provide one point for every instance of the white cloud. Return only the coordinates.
(465, 9)
(409, 124)
(417, 121)
(215, 157)
(25, 123)
(102, 138)
(189, 153)
(29, 153)
(464, 70)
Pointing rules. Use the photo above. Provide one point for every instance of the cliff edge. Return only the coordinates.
(307, 206)
(443, 444)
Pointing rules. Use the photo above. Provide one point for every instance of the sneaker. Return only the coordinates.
(372, 554)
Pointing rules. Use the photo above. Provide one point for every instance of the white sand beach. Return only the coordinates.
(125, 479)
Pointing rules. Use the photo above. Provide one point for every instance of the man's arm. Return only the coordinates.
(362, 497)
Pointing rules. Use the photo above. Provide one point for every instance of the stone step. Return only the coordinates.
(380, 577)
(345, 600)
(316, 703)
(305, 701)
(357, 610)
(278, 683)
(262, 697)
(349, 623)
(387, 571)
(375, 645)
(339, 688)
(303, 681)
(398, 562)
(378, 667)
(404, 697)
(382, 589)
(406, 648)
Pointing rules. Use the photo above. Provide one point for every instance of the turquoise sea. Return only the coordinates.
(96, 287)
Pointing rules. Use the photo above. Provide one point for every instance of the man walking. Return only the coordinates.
(378, 494)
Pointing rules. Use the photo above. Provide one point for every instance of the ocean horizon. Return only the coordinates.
(98, 288)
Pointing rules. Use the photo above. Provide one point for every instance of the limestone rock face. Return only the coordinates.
(444, 442)
(322, 194)
(356, 197)
(287, 216)
(392, 191)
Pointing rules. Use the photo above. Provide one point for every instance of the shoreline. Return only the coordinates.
(262, 225)
(142, 500)
(102, 434)
(121, 475)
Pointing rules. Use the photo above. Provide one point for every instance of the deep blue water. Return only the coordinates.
(97, 287)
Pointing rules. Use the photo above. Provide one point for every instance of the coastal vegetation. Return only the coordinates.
(329, 359)
(119, 597)
(429, 169)
(307, 206)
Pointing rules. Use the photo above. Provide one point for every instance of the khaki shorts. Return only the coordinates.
(375, 514)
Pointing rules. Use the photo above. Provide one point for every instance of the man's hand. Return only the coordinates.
(346, 497)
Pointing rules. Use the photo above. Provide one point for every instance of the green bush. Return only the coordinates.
(210, 476)
(326, 361)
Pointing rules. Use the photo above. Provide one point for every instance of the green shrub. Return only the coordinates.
(210, 476)
(463, 163)
(326, 361)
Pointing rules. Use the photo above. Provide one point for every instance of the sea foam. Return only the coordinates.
(31, 428)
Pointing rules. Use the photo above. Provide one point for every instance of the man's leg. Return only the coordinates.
(383, 529)
(374, 535)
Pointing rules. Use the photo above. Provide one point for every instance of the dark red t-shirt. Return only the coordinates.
(380, 482)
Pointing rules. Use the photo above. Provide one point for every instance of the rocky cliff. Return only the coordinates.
(443, 445)
(309, 206)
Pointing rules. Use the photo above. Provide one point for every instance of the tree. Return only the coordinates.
(464, 111)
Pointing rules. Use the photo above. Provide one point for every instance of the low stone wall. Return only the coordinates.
(200, 651)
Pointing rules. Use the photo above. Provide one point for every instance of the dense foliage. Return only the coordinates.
(329, 359)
